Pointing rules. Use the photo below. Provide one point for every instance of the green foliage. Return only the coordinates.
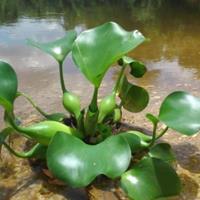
(83, 146)
(150, 179)
(72, 104)
(106, 107)
(138, 69)
(133, 98)
(42, 132)
(77, 163)
(8, 86)
(94, 54)
(163, 151)
(181, 112)
(59, 49)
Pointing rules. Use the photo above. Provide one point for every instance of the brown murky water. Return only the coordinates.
(172, 57)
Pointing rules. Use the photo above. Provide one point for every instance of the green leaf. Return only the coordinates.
(8, 86)
(104, 130)
(136, 140)
(44, 131)
(56, 117)
(163, 151)
(60, 48)
(95, 50)
(134, 98)
(181, 112)
(152, 118)
(150, 179)
(138, 68)
(77, 163)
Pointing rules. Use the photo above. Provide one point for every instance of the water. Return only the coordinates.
(172, 55)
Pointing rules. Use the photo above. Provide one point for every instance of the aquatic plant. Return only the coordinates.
(77, 152)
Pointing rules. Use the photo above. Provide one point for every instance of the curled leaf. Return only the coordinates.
(138, 69)
(134, 98)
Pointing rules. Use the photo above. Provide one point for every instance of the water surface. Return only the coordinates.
(172, 57)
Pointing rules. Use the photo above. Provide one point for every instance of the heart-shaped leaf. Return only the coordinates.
(181, 112)
(162, 151)
(138, 68)
(95, 50)
(150, 179)
(60, 48)
(77, 163)
(8, 86)
(134, 98)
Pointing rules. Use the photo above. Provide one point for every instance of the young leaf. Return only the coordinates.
(134, 98)
(138, 69)
(95, 50)
(152, 118)
(181, 112)
(8, 86)
(150, 179)
(162, 151)
(136, 140)
(77, 163)
(60, 48)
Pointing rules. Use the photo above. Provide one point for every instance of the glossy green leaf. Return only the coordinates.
(162, 151)
(136, 140)
(8, 85)
(134, 98)
(60, 48)
(77, 163)
(181, 112)
(138, 69)
(44, 131)
(150, 179)
(95, 50)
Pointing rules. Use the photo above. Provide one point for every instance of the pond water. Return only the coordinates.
(172, 55)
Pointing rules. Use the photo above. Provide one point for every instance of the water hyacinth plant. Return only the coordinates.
(79, 151)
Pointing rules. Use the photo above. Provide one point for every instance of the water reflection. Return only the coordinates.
(172, 55)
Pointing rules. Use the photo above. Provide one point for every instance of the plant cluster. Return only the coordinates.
(81, 145)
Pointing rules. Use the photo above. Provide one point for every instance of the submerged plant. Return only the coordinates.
(79, 152)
